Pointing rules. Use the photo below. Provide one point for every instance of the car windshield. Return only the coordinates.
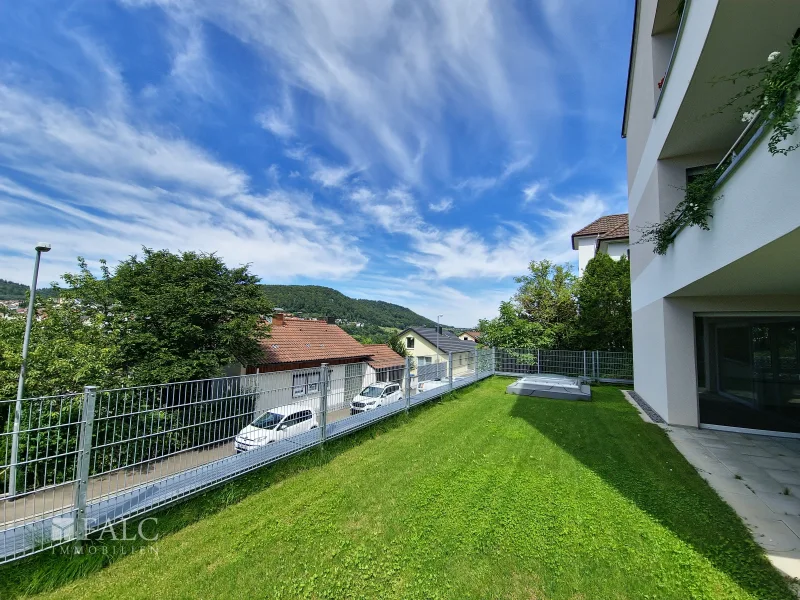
(268, 420)
(371, 391)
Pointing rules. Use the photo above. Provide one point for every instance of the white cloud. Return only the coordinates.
(278, 121)
(443, 205)
(516, 166)
(477, 185)
(384, 74)
(531, 191)
(329, 175)
(275, 123)
(108, 187)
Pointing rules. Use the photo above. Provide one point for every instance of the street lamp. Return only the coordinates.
(12, 480)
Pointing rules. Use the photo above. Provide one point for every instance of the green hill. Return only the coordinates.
(16, 291)
(319, 301)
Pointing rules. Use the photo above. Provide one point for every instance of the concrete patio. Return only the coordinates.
(759, 476)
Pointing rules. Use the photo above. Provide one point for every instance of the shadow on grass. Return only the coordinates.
(55, 567)
(638, 459)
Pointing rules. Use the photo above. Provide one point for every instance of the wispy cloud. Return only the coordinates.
(531, 191)
(110, 187)
(278, 121)
(443, 205)
(383, 73)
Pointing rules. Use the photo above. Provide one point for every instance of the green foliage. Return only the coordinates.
(542, 314)
(165, 317)
(773, 99)
(604, 304)
(535, 499)
(774, 96)
(368, 333)
(176, 317)
(319, 301)
(396, 344)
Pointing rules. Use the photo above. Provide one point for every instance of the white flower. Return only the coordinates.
(773, 56)
(748, 116)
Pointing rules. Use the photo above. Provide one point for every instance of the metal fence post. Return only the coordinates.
(538, 362)
(494, 360)
(596, 365)
(407, 377)
(83, 461)
(584, 364)
(450, 368)
(476, 363)
(323, 400)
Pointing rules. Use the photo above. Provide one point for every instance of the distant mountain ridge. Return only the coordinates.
(320, 301)
(10, 290)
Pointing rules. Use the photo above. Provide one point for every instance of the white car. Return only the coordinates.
(275, 424)
(375, 395)
(424, 386)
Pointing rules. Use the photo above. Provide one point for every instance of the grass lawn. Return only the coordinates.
(483, 495)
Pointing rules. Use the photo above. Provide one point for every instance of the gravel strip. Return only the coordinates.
(656, 418)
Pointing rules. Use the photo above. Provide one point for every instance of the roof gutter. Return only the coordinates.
(634, 35)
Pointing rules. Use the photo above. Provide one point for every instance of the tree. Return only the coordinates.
(396, 344)
(159, 318)
(541, 314)
(604, 304)
(178, 316)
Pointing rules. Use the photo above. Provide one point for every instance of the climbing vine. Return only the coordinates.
(773, 98)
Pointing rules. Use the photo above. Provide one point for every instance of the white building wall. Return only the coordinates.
(586, 252)
(617, 250)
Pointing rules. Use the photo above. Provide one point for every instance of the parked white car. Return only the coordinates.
(424, 386)
(276, 424)
(375, 395)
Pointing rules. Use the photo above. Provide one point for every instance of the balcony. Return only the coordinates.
(741, 36)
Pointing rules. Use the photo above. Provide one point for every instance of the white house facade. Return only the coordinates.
(608, 234)
(716, 320)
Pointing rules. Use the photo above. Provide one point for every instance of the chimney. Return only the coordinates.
(330, 320)
(277, 319)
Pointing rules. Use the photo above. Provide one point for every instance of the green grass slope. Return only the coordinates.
(484, 496)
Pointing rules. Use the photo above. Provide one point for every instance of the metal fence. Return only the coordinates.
(77, 463)
(591, 365)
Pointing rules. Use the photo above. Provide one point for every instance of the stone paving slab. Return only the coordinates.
(759, 476)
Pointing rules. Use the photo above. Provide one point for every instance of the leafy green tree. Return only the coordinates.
(162, 318)
(541, 314)
(176, 316)
(604, 304)
(396, 344)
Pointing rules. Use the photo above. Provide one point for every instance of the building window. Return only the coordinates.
(410, 343)
(304, 384)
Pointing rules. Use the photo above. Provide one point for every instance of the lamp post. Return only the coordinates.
(12, 480)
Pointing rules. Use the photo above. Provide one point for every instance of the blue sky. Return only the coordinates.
(416, 152)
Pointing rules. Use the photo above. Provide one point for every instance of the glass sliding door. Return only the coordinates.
(753, 372)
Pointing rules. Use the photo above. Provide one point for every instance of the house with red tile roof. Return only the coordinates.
(288, 370)
(470, 336)
(608, 234)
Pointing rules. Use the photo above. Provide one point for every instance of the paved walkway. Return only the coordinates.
(759, 477)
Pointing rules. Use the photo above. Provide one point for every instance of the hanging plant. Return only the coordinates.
(773, 98)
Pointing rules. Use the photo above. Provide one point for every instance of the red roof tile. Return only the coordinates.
(619, 232)
(383, 356)
(602, 226)
(300, 340)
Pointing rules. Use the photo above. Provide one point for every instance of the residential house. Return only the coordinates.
(292, 356)
(716, 320)
(384, 364)
(470, 336)
(429, 348)
(608, 234)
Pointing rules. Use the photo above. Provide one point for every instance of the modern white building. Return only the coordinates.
(608, 234)
(716, 320)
